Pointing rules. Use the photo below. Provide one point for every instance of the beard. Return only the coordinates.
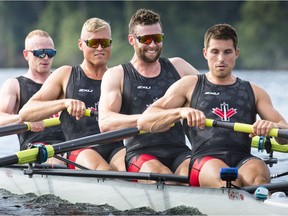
(149, 58)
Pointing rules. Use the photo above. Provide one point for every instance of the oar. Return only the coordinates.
(275, 146)
(109, 174)
(270, 186)
(19, 128)
(30, 155)
(245, 128)
(89, 112)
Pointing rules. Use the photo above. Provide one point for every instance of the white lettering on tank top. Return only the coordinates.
(143, 87)
(85, 90)
(212, 93)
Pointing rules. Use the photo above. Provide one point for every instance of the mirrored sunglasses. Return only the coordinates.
(41, 53)
(94, 43)
(147, 39)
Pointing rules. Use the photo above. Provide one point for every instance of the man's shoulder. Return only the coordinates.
(115, 68)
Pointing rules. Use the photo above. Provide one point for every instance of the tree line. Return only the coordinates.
(261, 26)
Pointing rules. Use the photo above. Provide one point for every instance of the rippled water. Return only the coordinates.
(29, 204)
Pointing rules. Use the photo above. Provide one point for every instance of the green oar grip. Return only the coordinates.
(91, 113)
(88, 112)
(51, 122)
(28, 126)
(47, 123)
(245, 128)
(30, 155)
(209, 122)
(274, 145)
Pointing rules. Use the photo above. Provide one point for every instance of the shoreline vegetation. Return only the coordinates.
(261, 25)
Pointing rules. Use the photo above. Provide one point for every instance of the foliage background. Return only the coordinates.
(261, 26)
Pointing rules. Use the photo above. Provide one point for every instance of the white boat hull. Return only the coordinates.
(123, 194)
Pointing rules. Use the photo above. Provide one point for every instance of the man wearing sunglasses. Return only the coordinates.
(78, 88)
(128, 89)
(39, 52)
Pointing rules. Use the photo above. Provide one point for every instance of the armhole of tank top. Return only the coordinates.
(22, 96)
(174, 71)
(196, 92)
(193, 103)
(126, 95)
(251, 96)
(72, 78)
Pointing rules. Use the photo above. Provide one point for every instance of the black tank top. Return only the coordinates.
(82, 88)
(138, 93)
(233, 103)
(49, 135)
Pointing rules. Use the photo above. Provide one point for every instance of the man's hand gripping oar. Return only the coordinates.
(27, 126)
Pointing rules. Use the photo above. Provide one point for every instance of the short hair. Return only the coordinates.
(143, 17)
(94, 25)
(221, 32)
(37, 32)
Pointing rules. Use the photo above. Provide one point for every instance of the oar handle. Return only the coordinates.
(245, 128)
(47, 123)
(88, 112)
(51, 122)
(91, 113)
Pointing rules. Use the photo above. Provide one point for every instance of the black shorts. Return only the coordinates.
(107, 151)
(172, 162)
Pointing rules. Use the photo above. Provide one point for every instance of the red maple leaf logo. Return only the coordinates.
(224, 112)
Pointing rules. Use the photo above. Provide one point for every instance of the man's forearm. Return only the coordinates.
(37, 111)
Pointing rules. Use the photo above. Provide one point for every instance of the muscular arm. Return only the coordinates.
(111, 101)
(9, 102)
(50, 98)
(183, 67)
(172, 107)
(271, 118)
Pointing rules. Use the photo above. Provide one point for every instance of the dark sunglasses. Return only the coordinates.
(41, 53)
(94, 43)
(147, 39)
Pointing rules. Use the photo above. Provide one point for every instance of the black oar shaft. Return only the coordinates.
(93, 140)
(30, 155)
(271, 186)
(22, 127)
(12, 129)
(8, 160)
(110, 174)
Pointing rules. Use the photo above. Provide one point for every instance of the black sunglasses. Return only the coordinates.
(94, 43)
(41, 53)
(147, 39)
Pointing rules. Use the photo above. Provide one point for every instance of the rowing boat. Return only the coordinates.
(117, 189)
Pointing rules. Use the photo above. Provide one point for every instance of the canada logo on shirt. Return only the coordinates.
(224, 112)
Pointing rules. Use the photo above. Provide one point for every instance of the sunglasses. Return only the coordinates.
(94, 43)
(147, 39)
(41, 53)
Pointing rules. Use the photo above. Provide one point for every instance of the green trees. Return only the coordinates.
(260, 25)
(263, 35)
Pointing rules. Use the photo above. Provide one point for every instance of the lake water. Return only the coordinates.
(274, 82)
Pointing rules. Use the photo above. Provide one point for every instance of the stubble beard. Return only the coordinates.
(147, 58)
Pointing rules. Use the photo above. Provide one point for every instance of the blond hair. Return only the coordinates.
(94, 25)
(36, 32)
